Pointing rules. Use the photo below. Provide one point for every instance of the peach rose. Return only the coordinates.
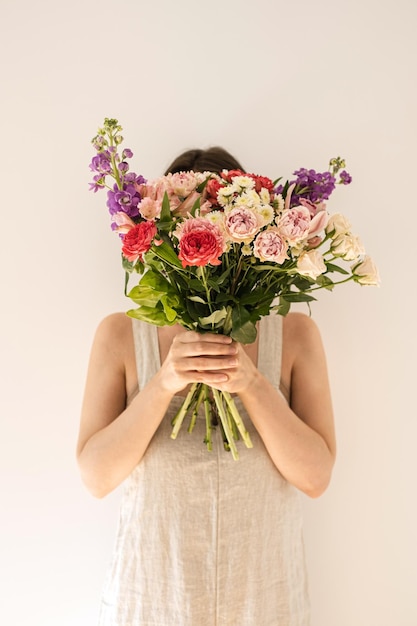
(347, 246)
(339, 224)
(366, 272)
(311, 264)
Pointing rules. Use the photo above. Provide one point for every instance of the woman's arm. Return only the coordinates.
(113, 438)
(300, 439)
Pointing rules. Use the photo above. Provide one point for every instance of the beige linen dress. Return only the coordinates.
(204, 540)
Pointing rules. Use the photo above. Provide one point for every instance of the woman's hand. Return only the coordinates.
(208, 358)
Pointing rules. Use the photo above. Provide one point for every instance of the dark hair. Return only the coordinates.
(213, 159)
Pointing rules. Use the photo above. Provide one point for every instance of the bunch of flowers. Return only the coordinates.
(215, 252)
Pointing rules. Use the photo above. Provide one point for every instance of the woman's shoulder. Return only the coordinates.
(114, 330)
(300, 330)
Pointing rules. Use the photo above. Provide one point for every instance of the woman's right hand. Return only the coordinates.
(195, 357)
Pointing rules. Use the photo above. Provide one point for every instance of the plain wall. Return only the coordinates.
(282, 85)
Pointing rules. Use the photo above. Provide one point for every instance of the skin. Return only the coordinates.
(115, 432)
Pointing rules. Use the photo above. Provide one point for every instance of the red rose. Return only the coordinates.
(262, 181)
(228, 175)
(212, 189)
(138, 240)
(201, 243)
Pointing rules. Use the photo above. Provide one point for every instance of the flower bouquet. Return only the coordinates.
(215, 252)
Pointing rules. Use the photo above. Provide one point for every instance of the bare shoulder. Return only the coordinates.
(301, 339)
(300, 328)
(114, 332)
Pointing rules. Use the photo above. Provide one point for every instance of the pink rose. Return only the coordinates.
(294, 224)
(311, 264)
(241, 224)
(138, 241)
(270, 246)
(200, 242)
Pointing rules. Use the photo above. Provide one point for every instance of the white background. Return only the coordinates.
(281, 85)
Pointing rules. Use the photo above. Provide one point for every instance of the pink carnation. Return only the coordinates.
(138, 241)
(270, 246)
(182, 183)
(200, 242)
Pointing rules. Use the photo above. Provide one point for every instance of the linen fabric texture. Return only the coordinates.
(204, 540)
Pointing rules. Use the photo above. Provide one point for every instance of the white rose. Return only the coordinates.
(339, 224)
(311, 264)
(348, 246)
(366, 272)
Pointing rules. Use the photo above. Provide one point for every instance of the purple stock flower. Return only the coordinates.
(128, 198)
(127, 153)
(123, 167)
(312, 185)
(131, 177)
(345, 178)
(98, 183)
(101, 163)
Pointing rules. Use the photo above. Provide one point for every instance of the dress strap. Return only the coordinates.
(145, 338)
(270, 348)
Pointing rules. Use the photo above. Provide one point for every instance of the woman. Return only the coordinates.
(204, 540)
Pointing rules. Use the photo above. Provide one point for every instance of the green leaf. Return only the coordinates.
(202, 185)
(145, 296)
(168, 304)
(331, 267)
(195, 206)
(166, 253)
(265, 267)
(156, 281)
(292, 296)
(215, 318)
(325, 281)
(196, 299)
(196, 285)
(245, 334)
(283, 307)
(150, 315)
(213, 283)
(243, 327)
(166, 215)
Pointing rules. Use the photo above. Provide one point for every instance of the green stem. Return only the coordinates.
(185, 407)
(202, 272)
(113, 162)
(207, 411)
(237, 419)
(196, 409)
(340, 282)
(225, 424)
